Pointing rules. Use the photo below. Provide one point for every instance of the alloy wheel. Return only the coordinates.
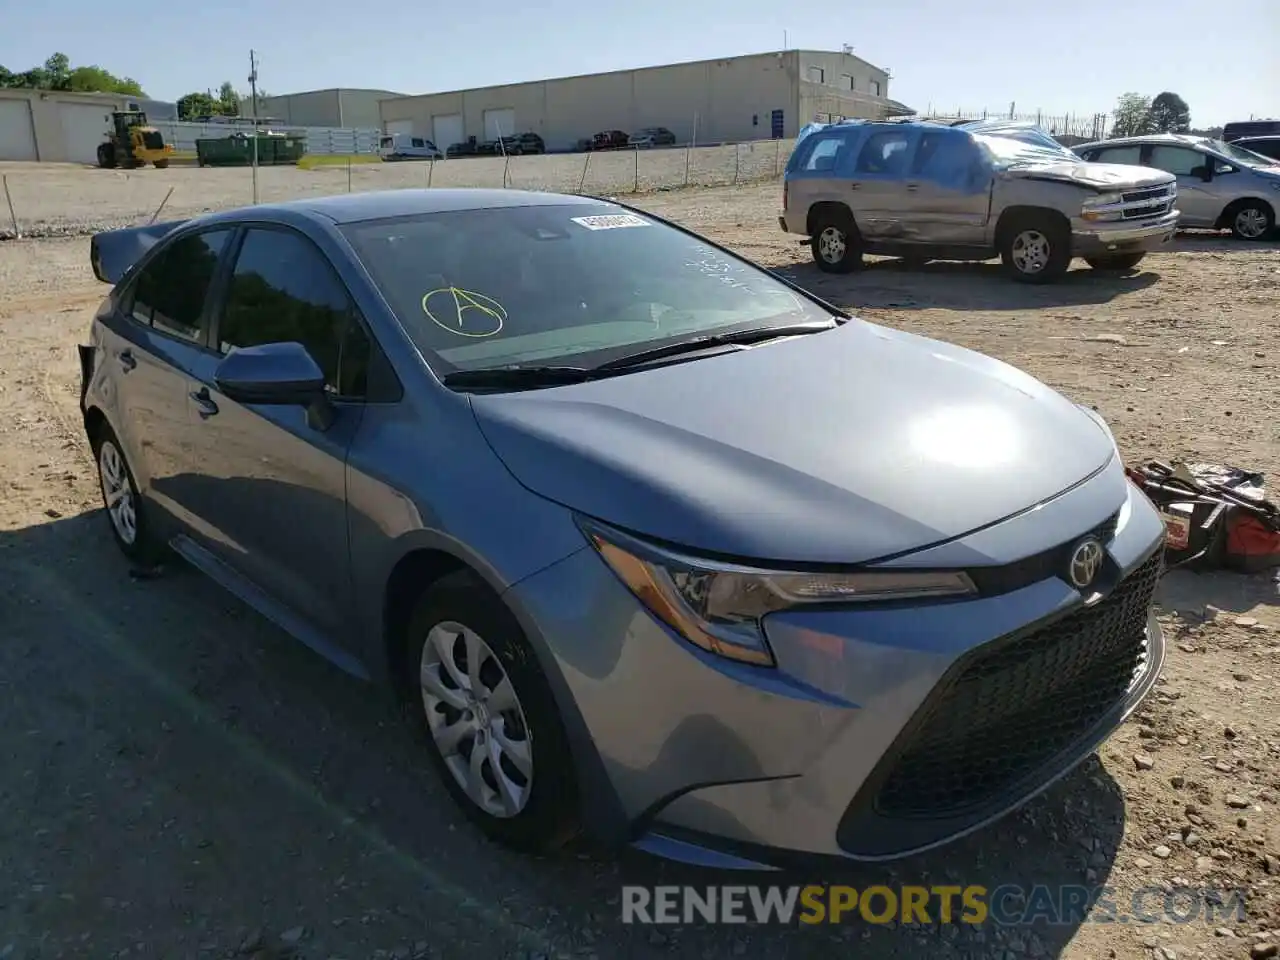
(1030, 251)
(1251, 223)
(476, 719)
(831, 244)
(117, 492)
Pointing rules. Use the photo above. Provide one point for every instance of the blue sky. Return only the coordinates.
(1077, 56)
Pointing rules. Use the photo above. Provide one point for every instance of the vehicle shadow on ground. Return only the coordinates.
(959, 286)
(1187, 591)
(178, 647)
(1208, 241)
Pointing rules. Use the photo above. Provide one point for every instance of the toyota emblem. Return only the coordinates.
(1086, 561)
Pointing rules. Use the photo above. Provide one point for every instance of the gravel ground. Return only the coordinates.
(182, 780)
(66, 200)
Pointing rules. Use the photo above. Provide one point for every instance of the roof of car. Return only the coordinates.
(354, 207)
(1185, 138)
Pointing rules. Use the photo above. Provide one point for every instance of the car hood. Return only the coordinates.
(1103, 176)
(840, 447)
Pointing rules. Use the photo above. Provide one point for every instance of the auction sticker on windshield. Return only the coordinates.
(611, 222)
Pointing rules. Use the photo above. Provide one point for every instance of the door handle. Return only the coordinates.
(912, 187)
(128, 360)
(854, 186)
(207, 408)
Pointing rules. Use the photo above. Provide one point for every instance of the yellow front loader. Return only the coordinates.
(133, 143)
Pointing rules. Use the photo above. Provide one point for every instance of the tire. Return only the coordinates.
(1119, 262)
(106, 156)
(459, 614)
(835, 243)
(161, 164)
(124, 507)
(1251, 220)
(1035, 248)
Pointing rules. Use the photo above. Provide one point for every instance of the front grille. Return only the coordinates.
(1015, 705)
(1153, 193)
(1142, 213)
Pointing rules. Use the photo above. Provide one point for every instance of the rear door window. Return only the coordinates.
(1127, 155)
(169, 294)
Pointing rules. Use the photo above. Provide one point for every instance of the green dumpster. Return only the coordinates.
(223, 152)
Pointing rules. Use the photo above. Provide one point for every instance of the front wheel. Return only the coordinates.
(161, 164)
(1036, 249)
(836, 244)
(1119, 262)
(480, 700)
(1252, 220)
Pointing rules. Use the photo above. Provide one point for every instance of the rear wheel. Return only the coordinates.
(128, 519)
(1036, 249)
(836, 243)
(161, 164)
(1119, 262)
(1252, 220)
(106, 156)
(480, 700)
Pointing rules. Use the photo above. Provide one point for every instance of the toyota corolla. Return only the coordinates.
(652, 544)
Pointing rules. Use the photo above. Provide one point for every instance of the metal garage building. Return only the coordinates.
(754, 97)
(49, 125)
(339, 107)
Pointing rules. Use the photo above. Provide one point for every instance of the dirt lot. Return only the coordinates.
(182, 780)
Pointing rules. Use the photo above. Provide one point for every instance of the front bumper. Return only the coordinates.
(855, 746)
(1092, 239)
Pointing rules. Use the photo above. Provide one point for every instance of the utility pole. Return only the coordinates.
(253, 100)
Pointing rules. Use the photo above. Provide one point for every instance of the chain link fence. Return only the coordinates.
(65, 200)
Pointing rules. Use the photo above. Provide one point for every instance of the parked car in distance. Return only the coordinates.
(526, 458)
(652, 137)
(466, 148)
(1250, 128)
(609, 140)
(530, 143)
(404, 146)
(1220, 185)
(929, 191)
(1267, 146)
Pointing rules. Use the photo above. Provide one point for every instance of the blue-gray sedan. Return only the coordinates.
(653, 545)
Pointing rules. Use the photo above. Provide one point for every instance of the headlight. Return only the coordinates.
(1104, 200)
(719, 607)
(1095, 208)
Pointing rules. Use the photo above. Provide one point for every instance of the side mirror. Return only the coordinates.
(279, 374)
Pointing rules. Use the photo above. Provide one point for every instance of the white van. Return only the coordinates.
(404, 146)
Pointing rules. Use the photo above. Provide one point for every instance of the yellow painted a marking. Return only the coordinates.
(485, 320)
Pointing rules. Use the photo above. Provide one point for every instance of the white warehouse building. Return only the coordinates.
(753, 97)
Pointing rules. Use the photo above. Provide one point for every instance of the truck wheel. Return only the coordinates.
(836, 243)
(1036, 249)
(161, 164)
(1119, 262)
(106, 156)
(1252, 220)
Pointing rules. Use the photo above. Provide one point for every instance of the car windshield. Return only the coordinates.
(1238, 154)
(579, 283)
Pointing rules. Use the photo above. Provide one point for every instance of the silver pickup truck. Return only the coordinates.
(930, 191)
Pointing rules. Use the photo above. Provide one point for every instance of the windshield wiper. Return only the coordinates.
(754, 335)
(517, 376)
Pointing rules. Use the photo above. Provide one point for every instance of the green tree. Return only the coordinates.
(57, 71)
(1132, 116)
(58, 74)
(1170, 113)
(196, 104)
